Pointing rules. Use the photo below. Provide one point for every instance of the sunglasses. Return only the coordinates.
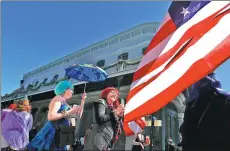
(72, 91)
(113, 92)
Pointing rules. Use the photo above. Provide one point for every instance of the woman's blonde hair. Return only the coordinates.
(23, 105)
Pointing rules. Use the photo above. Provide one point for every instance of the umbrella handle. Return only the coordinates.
(84, 87)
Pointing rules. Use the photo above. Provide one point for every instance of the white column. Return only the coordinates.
(180, 118)
(163, 128)
(77, 125)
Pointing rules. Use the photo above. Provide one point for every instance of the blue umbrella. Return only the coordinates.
(87, 73)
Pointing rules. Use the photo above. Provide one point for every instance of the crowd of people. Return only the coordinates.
(102, 135)
(107, 124)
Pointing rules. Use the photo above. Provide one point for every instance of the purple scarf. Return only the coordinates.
(117, 130)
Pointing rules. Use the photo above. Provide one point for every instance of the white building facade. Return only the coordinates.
(119, 56)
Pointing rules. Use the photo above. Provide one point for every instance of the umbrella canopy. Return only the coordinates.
(87, 73)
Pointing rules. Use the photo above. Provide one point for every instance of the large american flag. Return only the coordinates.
(193, 40)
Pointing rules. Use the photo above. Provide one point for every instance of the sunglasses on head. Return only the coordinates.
(71, 90)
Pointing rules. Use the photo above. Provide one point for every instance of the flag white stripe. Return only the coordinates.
(154, 72)
(207, 43)
(208, 10)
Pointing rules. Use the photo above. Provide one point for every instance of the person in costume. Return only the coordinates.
(16, 123)
(107, 121)
(60, 113)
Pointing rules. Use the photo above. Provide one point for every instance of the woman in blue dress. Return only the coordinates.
(59, 111)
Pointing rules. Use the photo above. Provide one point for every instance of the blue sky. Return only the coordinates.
(36, 33)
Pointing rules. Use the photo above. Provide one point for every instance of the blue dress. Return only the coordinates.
(44, 140)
